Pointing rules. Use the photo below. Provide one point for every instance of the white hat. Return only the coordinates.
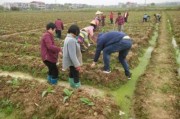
(98, 12)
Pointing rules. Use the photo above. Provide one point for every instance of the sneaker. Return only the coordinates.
(129, 77)
(106, 72)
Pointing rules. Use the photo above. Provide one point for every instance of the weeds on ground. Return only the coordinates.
(6, 106)
(68, 94)
(87, 101)
(15, 82)
(48, 90)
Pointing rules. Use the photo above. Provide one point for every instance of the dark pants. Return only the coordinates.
(103, 22)
(53, 70)
(144, 19)
(58, 33)
(125, 19)
(74, 74)
(111, 20)
(123, 48)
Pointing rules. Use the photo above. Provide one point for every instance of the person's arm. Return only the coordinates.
(91, 36)
(72, 53)
(99, 48)
(62, 25)
(116, 20)
(50, 46)
(97, 54)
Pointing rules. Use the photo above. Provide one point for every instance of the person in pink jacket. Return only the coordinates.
(90, 31)
(50, 52)
(111, 17)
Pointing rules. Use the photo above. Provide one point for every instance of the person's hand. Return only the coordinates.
(60, 54)
(93, 64)
(78, 68)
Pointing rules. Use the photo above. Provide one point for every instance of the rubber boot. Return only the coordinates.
(77, 85)
(71, 82)
(53, 81)
(49, 78)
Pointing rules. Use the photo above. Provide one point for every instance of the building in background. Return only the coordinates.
(37, 5)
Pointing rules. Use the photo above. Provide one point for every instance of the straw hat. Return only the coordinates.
(93, 22)
(99, 12)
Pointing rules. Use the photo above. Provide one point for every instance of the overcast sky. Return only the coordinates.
(92, 2)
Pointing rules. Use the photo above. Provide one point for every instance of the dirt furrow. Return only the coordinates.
(35, 30)
(23, 76)
(154, 96)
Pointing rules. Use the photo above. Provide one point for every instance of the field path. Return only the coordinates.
(91, 90)
(154, 97)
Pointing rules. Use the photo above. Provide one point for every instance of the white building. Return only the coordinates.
(7, 5)
(19, 5)
(38, 5)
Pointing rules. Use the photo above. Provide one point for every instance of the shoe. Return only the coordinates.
(49, 78)
(106, 72)
(54, 81)
(77, 85)
(71, 82)
(129, 77)
(74, 85)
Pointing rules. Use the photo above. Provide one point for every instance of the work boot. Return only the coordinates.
(71, 82)
(77, 85)
(53, 81)
(49, 78)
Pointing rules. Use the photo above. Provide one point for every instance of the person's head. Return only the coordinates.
(51, 27)
(58, 19)
(74, 29)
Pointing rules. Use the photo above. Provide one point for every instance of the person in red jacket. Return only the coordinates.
(120, 22)
(59, 27)
(103, 19)
(111, 17)
(50, 52)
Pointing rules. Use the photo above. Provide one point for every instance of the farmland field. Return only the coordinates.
(153, 61)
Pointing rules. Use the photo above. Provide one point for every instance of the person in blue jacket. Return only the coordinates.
(111, 42)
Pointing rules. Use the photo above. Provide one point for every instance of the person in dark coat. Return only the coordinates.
(59, 27)
(112, 42)
(50, 52)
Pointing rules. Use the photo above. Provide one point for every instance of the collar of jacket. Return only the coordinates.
(70, 35)
(49, 33)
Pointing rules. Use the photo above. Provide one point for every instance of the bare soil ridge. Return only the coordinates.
(154, 94)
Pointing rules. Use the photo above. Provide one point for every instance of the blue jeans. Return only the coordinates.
(123, 48)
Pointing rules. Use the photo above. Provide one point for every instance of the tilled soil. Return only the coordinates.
(26, 96)
(155, 96)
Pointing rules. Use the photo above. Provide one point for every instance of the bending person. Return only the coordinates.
(112, 42)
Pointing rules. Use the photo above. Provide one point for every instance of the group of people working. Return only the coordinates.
(146, 17)
(108, 43)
